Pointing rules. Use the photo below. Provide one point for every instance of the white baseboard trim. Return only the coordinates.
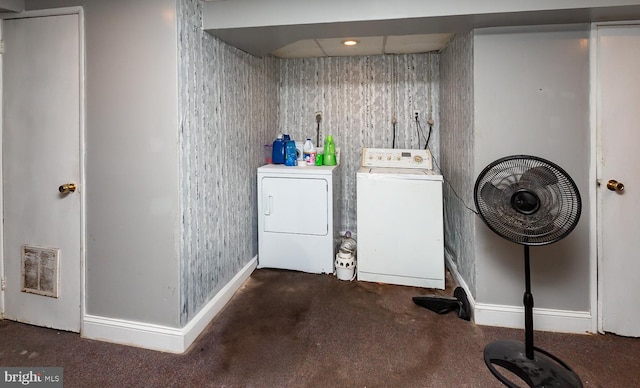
(561, 321)
(193, 329)
(163, 338)
(142, 335)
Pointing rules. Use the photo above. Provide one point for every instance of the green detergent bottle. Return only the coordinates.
(329, 158)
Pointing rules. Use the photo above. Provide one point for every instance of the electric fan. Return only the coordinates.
(529, 201)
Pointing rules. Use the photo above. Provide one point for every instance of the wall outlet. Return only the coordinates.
(416, 115)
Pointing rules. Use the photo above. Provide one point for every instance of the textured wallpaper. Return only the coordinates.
(456, 142)
(228, 104)
(231, 104)
(358, 97)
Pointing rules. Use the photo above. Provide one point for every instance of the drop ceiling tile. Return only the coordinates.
(407, 44)
(372, 45)
(301, 49)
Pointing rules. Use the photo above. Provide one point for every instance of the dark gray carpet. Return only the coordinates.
(290, 329)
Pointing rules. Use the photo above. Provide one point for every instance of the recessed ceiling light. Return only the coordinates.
(350, 42)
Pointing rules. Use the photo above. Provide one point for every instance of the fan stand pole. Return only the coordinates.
(527, 300)
(536, 367)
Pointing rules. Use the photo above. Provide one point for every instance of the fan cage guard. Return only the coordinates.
(527, 200)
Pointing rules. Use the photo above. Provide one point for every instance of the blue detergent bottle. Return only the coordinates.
(278, 150)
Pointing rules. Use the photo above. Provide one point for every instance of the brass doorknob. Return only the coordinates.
(614, 185)
(67, 188)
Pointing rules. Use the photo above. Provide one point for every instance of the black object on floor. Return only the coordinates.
(443, 304)
(542, 370)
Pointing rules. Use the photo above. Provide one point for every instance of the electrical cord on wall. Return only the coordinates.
(420, 131)
(318, 120)
(426, 144)
(394, 123)
(450, 186)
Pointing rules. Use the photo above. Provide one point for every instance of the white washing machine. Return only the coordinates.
(400, 219)
(297, 217)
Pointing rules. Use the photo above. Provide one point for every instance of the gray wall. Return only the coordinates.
(132, 202)
(228, 110)
(457, 150)
(531, 93)
(358, 97)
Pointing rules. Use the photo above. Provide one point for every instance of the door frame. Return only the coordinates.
(81, 146)
(596, 136)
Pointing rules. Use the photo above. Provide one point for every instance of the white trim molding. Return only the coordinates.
(43, 12)
(561, 321)
(595, 246)
(163, 338)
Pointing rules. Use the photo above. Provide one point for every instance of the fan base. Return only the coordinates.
(545, 370)
(442, 304)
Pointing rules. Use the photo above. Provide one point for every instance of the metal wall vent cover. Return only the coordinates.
(40, 270)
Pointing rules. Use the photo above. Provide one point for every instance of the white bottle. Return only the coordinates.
(309, 153)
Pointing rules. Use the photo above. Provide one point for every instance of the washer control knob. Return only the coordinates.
(417, 159)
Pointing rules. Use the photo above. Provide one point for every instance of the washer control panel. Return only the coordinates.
(396, 158)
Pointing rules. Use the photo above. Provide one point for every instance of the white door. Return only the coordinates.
(40, 152)
(618, 91)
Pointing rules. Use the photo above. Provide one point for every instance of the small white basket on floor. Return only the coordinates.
(345, 266)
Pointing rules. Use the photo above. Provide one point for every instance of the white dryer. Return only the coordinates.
(400, 219)
(297, 217)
